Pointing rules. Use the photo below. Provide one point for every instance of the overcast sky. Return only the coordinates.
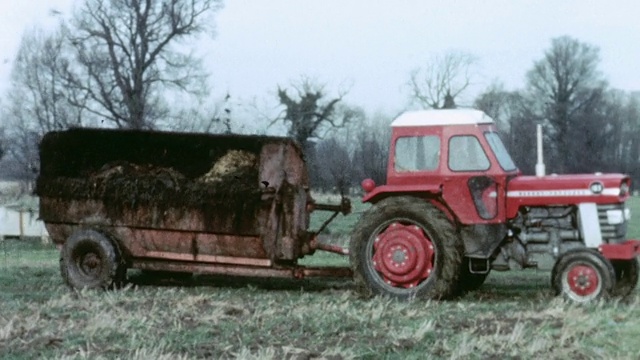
(370, 46)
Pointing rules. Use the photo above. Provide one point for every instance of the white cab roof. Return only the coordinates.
(442, 117)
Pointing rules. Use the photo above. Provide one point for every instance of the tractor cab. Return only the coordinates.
(453, 154)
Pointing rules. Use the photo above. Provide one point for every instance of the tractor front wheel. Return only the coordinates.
(405, 247)
(583, 276)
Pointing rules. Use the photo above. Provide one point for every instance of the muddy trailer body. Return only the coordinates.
(224, 204)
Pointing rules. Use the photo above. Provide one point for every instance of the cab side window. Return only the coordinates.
(417, 153)
(466, 154)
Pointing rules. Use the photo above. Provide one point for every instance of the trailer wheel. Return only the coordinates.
(405, 247)
(89, 260)
(626, 276)
(583, 276)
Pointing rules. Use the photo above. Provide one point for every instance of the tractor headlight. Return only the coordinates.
(624, 189)
(615, 217)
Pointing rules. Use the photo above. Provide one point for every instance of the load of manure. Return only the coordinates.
(231, 184)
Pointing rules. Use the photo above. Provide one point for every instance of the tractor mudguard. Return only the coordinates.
(623, 251)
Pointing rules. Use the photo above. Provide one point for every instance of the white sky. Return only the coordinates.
(370, 46)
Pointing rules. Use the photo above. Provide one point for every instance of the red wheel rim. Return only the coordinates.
(403, 255)
(583, 280)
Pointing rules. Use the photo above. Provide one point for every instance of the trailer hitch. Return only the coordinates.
(343, 208)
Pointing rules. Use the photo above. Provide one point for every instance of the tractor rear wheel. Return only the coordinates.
(626, 276)
(583, 276)
(405, 247)
(89, 260)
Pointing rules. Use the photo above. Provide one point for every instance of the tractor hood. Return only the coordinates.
(553, 190)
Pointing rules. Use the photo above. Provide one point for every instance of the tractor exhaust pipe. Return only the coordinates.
(540, 168)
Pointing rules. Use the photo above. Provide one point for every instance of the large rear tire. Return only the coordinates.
(405, 247)
(89, 260)
(626, 276)
(583, 276)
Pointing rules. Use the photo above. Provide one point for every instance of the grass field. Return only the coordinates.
(514, 315)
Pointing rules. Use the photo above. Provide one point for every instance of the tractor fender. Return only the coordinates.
(425, 192)
(384, 191)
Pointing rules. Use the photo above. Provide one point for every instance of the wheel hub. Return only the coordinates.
(403, 255)
(90, 263)
(583, 280)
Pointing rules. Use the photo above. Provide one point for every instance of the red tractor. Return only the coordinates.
(455, 207)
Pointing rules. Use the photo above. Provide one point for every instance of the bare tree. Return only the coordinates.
(516, 119)
(39, 91)
(495, 102)
(630, 137)
(130, 53)
(568, 89)
(310, 111)
(505, 108)
(442, 79)
(309, 114)
(213, 115)
(370, 156)
(334, 166)
(39, 98)
(3, 143)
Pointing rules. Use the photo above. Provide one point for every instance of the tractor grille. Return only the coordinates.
(612, 233)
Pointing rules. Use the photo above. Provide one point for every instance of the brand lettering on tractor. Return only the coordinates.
(566, 192)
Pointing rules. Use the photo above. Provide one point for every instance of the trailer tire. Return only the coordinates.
(626, 276)
(583, 275)
(405, 247)
(90, 260)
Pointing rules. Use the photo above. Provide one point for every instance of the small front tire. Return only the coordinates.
(583, 276)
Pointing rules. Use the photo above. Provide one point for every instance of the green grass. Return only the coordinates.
(633, 231)
(514, 315)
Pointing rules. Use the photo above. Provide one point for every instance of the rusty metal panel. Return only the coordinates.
(57, 233)
(271, 164)
(180, 244)
(231, 245)
(297, 272)
(282, 167)
(208, 258)
(56, 210)
(221, 269)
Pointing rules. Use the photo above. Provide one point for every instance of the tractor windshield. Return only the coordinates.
(506, 163)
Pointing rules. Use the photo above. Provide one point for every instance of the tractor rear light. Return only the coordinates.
(368, 185)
